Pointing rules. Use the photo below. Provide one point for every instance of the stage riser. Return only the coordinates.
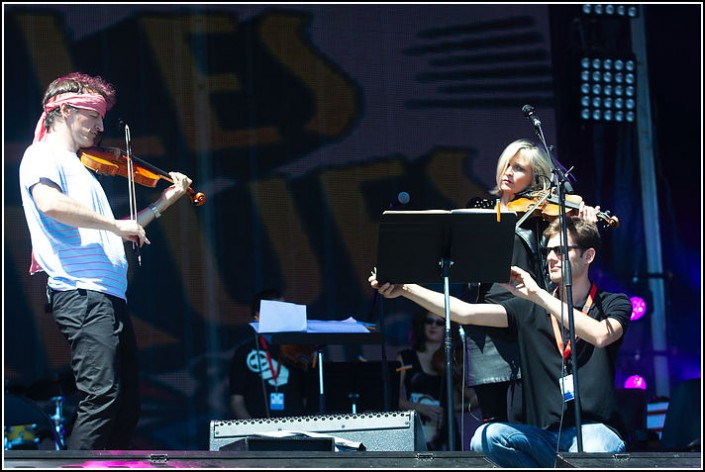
(645, 460)
(244, 459)
(322, 460)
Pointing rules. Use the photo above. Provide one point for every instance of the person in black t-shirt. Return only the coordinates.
(538, 318)
(262, 385)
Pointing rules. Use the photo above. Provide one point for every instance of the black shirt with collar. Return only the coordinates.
(542, 364)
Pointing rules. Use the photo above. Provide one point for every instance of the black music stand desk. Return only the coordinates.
(320, 339)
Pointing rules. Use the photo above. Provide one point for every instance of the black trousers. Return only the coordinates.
(105, 367)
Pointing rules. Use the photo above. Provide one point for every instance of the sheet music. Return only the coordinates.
(281, 317)
(349, 325)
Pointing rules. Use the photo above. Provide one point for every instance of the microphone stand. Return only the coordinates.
(560, 181)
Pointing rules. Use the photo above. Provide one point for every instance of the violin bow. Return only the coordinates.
(131, 192)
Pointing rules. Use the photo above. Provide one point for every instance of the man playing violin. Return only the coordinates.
(539, 321)
(78, 242)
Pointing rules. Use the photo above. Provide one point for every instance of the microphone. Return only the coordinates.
(529, 113)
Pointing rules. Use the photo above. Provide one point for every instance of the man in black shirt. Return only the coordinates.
(539, 320)
(261, 384)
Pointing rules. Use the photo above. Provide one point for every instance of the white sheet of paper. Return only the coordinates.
(281, 317)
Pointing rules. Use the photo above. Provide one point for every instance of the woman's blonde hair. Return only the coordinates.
(535, 158)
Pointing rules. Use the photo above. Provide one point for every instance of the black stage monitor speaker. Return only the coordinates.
(388, 431)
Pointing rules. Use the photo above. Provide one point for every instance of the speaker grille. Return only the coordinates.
(386, 431)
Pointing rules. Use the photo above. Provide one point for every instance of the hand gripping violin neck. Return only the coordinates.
(114, 161)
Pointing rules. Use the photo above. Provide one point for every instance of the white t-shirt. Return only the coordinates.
(72, 257)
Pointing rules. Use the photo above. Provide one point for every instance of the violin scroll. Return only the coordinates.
(197, 198)
(611, 221)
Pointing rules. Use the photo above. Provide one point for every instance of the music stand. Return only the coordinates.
(432, 246)
(320, 340)
(356, 387)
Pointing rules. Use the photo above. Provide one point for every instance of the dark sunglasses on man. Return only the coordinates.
(557, 249)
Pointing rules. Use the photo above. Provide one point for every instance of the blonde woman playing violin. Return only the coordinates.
(492, 356)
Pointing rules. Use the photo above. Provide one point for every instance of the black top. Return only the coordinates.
(493, 355)
(245, 380)
(542, 364)
(419, 382)
(422, 387)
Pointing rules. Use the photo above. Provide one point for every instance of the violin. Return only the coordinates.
(114, 161)
(545, 204)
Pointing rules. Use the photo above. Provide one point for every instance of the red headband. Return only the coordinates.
(86, 101)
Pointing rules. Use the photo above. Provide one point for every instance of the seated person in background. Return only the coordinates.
(423, 381)
(262, 383)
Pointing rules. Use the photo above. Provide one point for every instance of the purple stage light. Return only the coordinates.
(635, 381)
(638, 308)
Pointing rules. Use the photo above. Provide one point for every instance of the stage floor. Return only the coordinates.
(321, 460)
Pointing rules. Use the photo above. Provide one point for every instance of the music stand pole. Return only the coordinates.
(321, 393)
(446, 263)
(385, 374)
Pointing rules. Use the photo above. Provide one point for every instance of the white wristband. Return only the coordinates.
(156, 212)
